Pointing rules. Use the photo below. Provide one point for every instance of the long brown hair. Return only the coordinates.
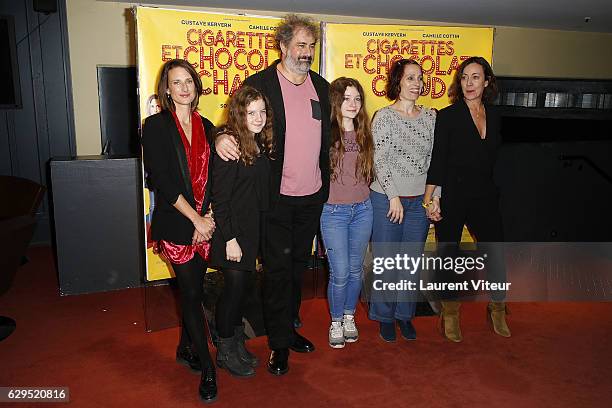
(455, 93)
(364, 169)
(237, 125)
(162, 86)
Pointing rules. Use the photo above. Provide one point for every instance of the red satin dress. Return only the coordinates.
(198, 154)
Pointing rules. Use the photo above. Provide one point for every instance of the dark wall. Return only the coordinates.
(43, 127)
(556, 190)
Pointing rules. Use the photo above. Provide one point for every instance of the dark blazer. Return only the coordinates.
(239, 194)
(267, 82)
(461, 162)
(166, 164)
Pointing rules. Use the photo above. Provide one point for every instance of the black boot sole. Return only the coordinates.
(302, 350)
(208, 401)
(232, 373)
(278, 373)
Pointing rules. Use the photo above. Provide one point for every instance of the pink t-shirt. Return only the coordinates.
(301, 172)
(346, 188)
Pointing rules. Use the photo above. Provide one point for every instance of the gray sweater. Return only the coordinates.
(402, 151)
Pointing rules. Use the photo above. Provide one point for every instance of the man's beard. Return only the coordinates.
(298, 66)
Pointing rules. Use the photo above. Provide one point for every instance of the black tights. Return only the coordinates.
(190, 278)
(230, 303)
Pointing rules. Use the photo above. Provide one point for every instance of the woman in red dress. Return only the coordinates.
(178, 159)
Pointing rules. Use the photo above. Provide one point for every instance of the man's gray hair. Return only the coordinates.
(290, 24)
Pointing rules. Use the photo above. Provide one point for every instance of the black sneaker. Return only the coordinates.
(407, 329)
(387, 332)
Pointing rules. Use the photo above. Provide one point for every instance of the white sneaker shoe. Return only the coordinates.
(349, 329)
(336, 335)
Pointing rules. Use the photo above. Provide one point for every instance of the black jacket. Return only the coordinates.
(267, 82)
(461, 162)
(239, 194)
(166, 165)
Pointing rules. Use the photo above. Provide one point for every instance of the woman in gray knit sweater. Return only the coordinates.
(403, 140)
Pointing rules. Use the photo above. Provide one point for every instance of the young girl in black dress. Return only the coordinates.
(240, 194)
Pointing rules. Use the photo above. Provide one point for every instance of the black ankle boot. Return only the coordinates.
(245, 355)
(187, 356)
(278, 364)
(208, 384)
(227, 357)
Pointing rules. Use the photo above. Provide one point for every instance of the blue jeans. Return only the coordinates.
(346, 230)
(413, 228)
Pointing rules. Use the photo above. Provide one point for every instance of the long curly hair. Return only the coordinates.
(237, 125)
(364, 169)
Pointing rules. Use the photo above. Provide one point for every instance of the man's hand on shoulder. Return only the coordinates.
(227, 147)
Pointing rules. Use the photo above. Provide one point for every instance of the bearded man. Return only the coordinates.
(299, 184)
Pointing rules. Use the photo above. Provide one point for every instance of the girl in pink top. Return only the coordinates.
(346, 221)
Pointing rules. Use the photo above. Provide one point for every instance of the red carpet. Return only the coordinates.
(560, 355)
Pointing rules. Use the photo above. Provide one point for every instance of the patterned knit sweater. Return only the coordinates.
(402, 151)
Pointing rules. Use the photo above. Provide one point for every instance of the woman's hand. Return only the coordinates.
(205, 226)
(396, 210)
(227, 147)
(233, 251)
(433, 209)
(197, 238)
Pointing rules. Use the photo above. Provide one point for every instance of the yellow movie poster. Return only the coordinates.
(224, 49)
(365, 52)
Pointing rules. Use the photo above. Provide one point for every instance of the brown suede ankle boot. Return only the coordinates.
(496, 313)
(449, 319)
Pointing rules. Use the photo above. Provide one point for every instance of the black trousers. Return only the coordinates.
(233, 299)
(288, 231)
(190, 278)
(483, 219)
